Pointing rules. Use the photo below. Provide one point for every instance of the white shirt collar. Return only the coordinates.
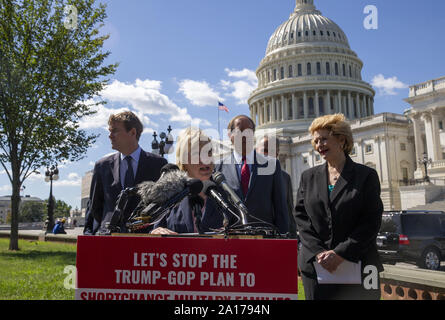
(249, 157)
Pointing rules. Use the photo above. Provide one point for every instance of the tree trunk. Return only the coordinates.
(15, 203)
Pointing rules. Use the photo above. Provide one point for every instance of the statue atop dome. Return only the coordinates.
(305, 6)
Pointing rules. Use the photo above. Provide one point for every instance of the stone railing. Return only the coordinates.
(404, 283)
(427, 87)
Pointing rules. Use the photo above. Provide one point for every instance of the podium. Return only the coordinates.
(130, 267)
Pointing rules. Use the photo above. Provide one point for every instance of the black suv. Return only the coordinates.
(413, 236)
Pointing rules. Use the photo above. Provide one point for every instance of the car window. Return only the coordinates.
(421, 225)
(390, 223)
(442, 226)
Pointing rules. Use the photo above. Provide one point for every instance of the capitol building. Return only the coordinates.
(310, 70)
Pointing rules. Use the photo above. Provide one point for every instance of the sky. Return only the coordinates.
(178, 58)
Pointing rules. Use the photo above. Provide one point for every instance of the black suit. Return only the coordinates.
(106, 186)
(265, 198)
(287, 181)
(347, 221)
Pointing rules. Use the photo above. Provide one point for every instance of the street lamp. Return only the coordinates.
(51, 174)
(163, 147)
(425, 162)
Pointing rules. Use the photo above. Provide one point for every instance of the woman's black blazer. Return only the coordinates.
(346, 221)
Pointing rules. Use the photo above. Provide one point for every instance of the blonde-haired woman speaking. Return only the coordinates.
(338, 215)
(197, 214)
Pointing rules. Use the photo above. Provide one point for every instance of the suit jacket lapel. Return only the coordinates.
(253, 177)
(115, 169)
(343, 180)
(142, 163)
(322, 182)
(232, 177)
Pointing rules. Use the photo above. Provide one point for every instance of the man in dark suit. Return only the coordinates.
(128, 167)
(256, 179)
(263, 147)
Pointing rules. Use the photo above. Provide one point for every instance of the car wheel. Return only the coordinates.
(430, 259)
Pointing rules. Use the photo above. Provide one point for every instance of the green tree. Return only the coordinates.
(51, 65)
(32, 211)
(61, 208)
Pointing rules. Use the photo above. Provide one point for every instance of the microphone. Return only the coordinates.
(219, 178)
(210, 189)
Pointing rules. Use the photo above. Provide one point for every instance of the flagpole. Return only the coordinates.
(219, 131)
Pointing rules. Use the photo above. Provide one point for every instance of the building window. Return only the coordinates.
(329, 34)
(353, 152)
(318, 68)
(328, 68)
(305, 160)
(309, 70)
(405, 173)
(314, 33)
(301, 108)
(307, 33)
(368, 148)
(282, 73)
(336, 69)
(440, 125)
(311, 107)
(299, 33)
(274, 74)
(291, 71)
(334, 34)
(290, 111)
(350, 72)
(344, 70)
(317, 158)
(321, 33)
(321, 105)
(300, 72)
(403, 146)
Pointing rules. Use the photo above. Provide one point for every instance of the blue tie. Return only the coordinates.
(129, 175)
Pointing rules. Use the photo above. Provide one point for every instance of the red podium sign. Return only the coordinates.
(153, 268)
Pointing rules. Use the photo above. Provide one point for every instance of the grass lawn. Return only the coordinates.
(35, 272)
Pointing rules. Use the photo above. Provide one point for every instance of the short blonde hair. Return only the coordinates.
(190, 141)
(338, 126)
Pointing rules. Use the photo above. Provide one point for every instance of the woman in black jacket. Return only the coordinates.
(338, 216)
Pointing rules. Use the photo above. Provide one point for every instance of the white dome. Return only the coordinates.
(307, 25)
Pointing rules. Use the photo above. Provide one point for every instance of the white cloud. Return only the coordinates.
(240, 89)
(388, 86)
(5, 188)
(199, 93)
(73, 180)
(145, 99)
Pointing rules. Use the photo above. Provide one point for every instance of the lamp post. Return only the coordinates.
(51, 174)
(164, 146)
(425, 162)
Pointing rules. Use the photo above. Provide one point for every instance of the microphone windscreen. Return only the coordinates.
(169, 167)
(144, 189)
(166, 187)
(195, 186)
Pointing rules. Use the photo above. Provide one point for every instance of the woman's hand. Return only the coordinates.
(329, 260)
(163, 231)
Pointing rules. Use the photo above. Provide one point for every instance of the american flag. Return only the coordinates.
(221, 106)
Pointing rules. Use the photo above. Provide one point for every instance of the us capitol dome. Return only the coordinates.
(309, 70)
